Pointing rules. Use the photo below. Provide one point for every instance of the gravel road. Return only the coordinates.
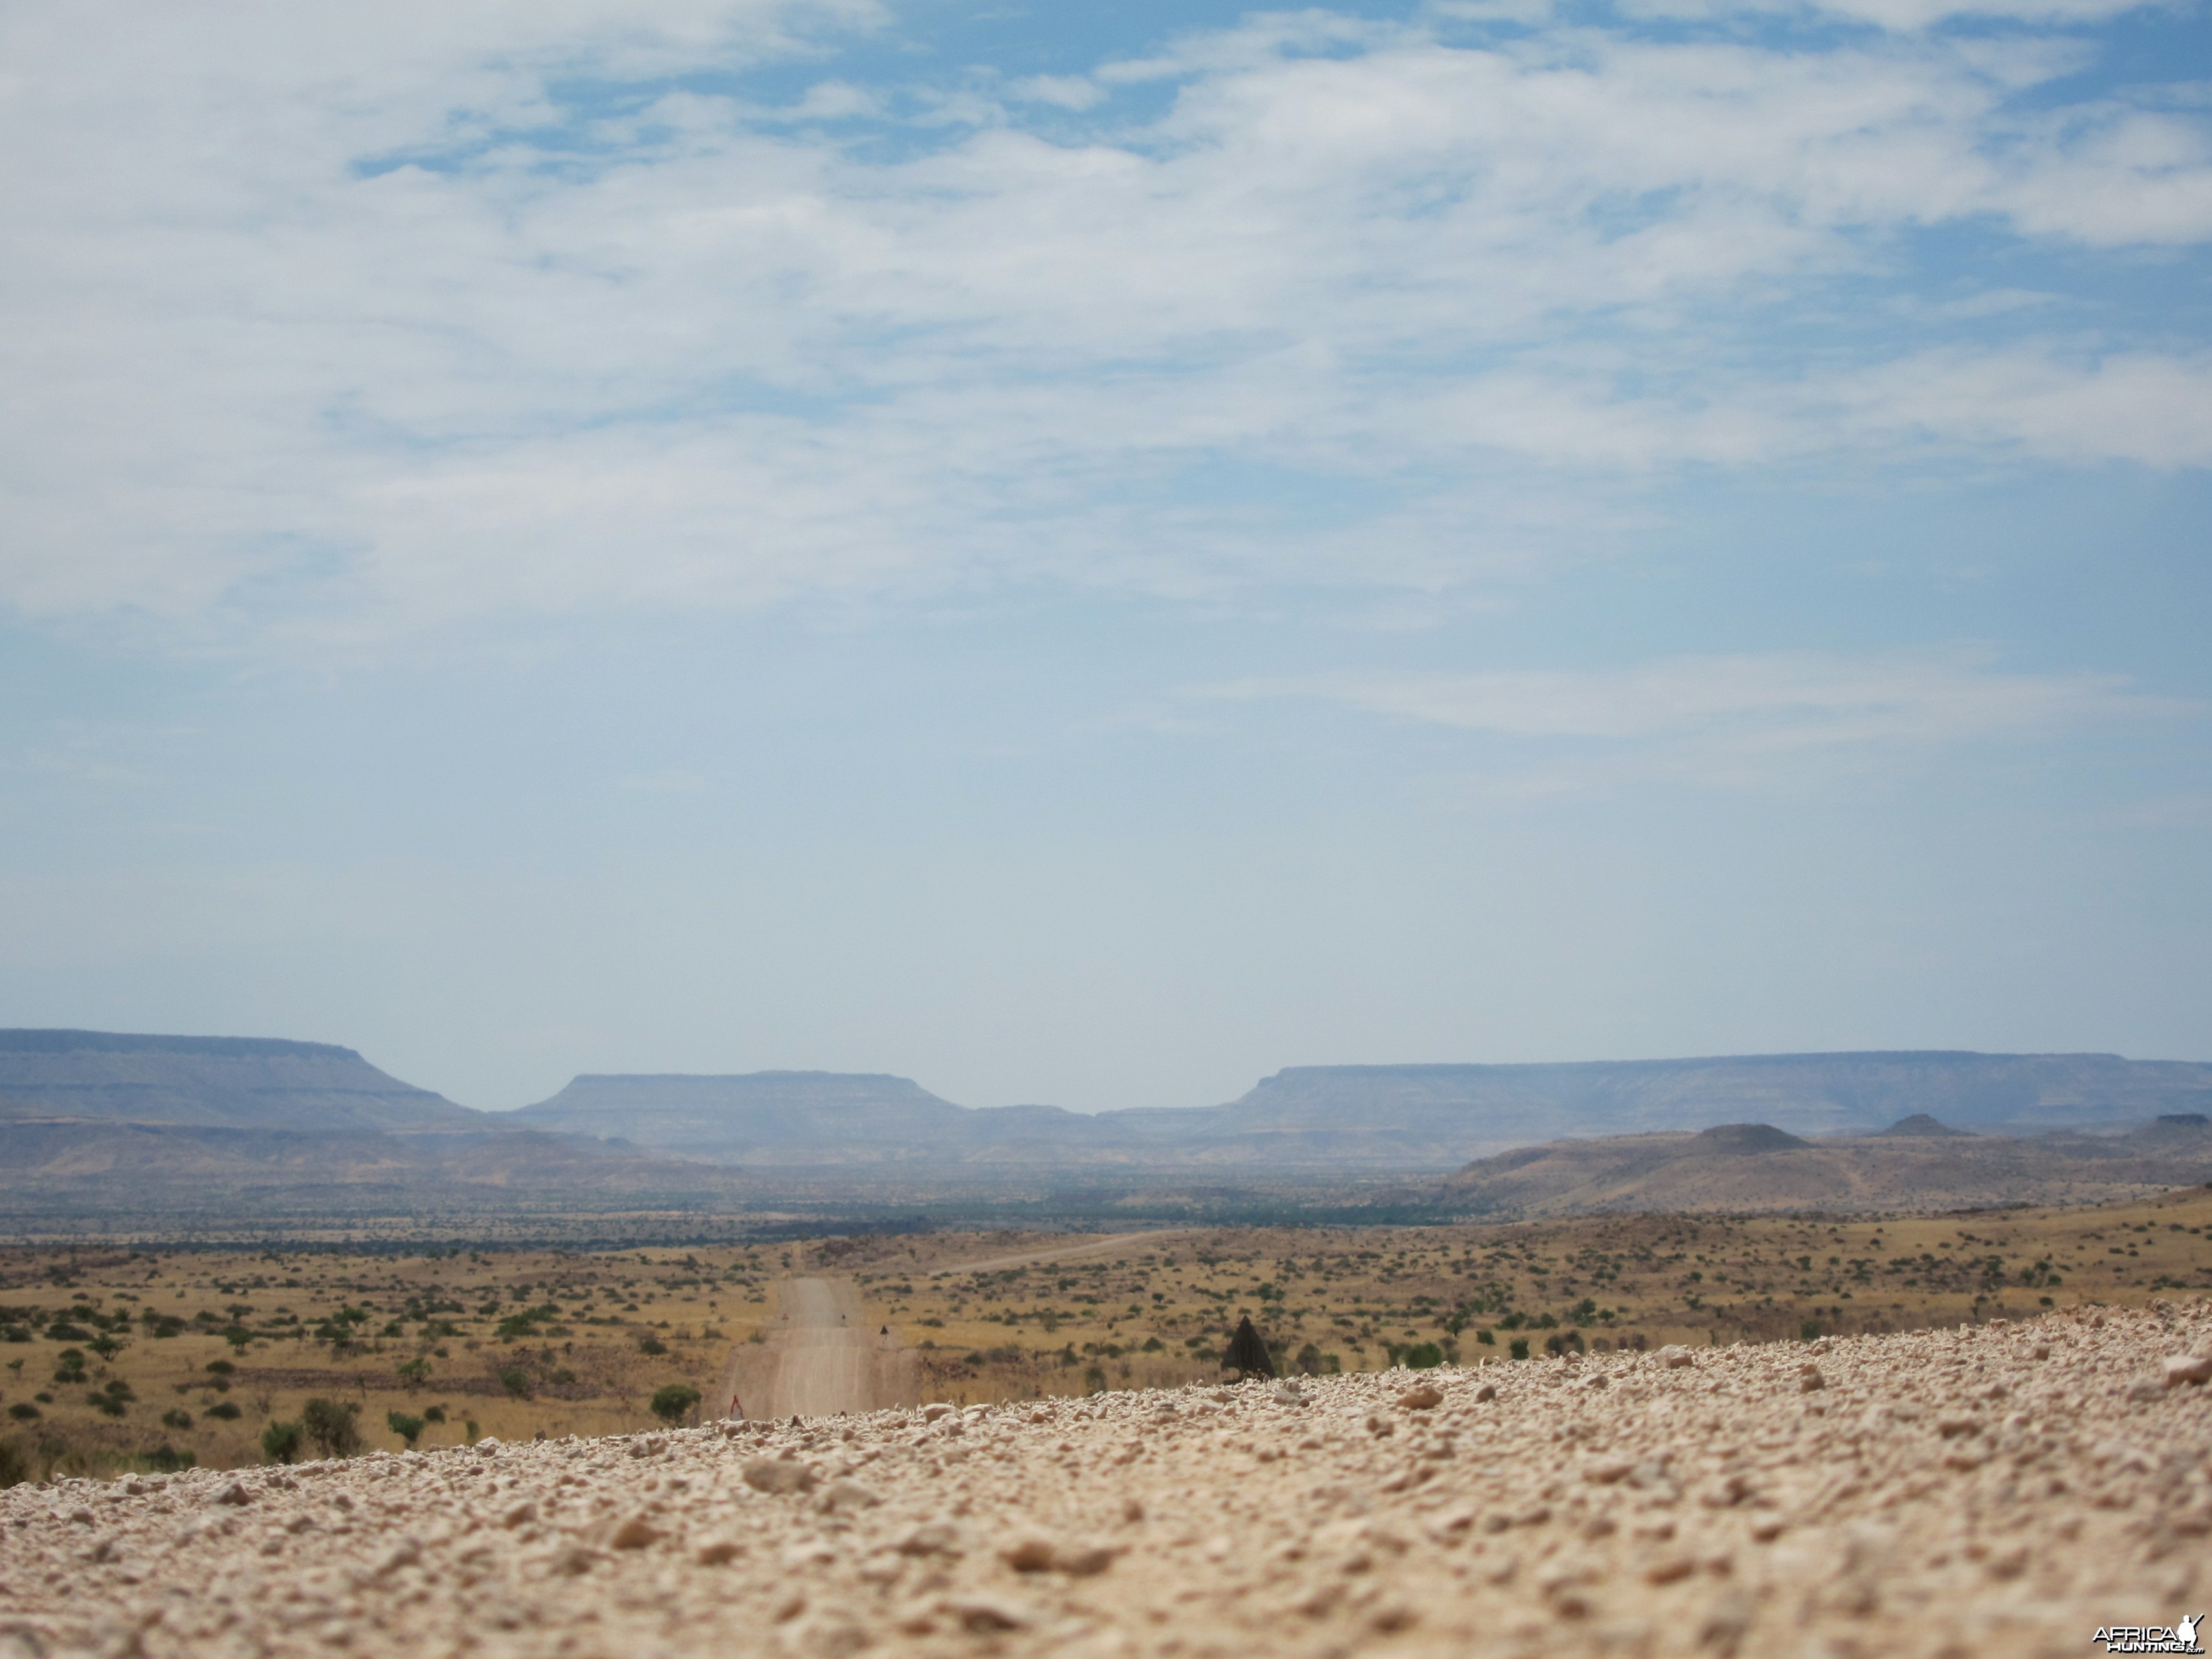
(824, 1358)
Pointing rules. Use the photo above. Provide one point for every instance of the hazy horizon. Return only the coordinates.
(1085, 557)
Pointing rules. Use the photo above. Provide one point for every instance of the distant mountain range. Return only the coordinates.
(102, 1121)
(1364, 1119)
(225, 1128)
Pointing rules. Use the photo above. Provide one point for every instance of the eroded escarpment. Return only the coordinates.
(2008, 1488)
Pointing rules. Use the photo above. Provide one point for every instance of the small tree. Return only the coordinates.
(516, 1382)
(412, 1371)
(673, 1403)
(280, 1442)
(409, 1429)
(332, 1425)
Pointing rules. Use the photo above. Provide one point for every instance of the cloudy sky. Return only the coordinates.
(1087, 553)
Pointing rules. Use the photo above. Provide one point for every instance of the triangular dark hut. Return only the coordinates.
(1248, 1354)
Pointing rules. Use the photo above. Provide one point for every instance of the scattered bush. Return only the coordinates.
(221, 1367)
(673, 1403)
(409, 1429)
(176, 1419)
(168, 1460)
(1421, 1356)
(334, 1425)
(1520, 1347)
(280, 1442)
(516, 1382)
(652, 1346)
(1486, 1337)
(23, 1411)
(225, 1409)
(434, 1414)
(112, 1401)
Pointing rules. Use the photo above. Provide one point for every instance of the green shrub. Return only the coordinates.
(23, 1411)
(1422, 1357)
(224, 1409)
(1485, 1337)
(672, 1404)
(1520, 1347)
(15, 1464)
(168, 1460)
(334, 1425)
(516, 1382)
(409, 1429)
(652, 1346)
(280, 1442)
(219, 1367)
(434, 1414)
(176, 1419)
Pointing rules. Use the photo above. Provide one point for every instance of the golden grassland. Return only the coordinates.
(111, 1355)
(1157, 1310)
(118, 1355)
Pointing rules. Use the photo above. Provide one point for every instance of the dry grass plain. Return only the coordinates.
(521, 1342)
(1154, 1310)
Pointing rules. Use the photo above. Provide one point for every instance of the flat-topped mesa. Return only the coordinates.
(215, 1082)
(787, 1117)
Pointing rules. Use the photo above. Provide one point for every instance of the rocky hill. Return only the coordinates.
(1917, 1164)
(2008, 1488)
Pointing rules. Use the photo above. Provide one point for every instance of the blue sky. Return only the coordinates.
(1086, 554)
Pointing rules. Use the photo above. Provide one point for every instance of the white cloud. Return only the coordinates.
(352, 324)
(1075, 92)
(1735, 718)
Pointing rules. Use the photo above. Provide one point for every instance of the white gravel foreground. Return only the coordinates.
(2004, 1489)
